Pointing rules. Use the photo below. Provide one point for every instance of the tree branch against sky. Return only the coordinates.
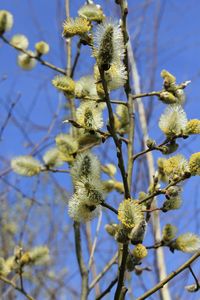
(100, 158)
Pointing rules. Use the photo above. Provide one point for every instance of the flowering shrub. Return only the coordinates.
(95, 119)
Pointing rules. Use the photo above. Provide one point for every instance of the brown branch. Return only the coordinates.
(120, 285)
(183, 85)
(142, 95)
(156, 246)
(105, 269)
(162, 191)
(68, 42)
(195, 278)
(159, 147)
(169, 277)
(9, 115)
(91, 248)
(78, 51)
(54, 170)
(118, 144)
(111, 129)
(19, 289)
(100, 100)
(108, 289)
(131, 112)
(43, 62)
(81, 264)
(121, 289)
(104, 204)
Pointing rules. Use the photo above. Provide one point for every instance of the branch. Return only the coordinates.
(117, 141)
(131, 110)
(81, 264)
(54, 170)
(160, 260)
(169, 277)
(118, 144)
(108, 289)
(45, 63)
(162, 191)
(142, 95)
(78, 51)
(195, 278)
(183, 85)
(104, 204)
(99, 100)
(121, 289)
(106, 268)
(95, 241)
(120, 286)
(19, 289)
(68, 42)
(159, 147)
(156, 246)
(77, 125)
(8, 115)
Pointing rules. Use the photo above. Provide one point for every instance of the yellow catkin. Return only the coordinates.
(64, 84)
(168, 77)
(194, 164)
(130, 213)
(92, 12)
(193, 127)
(169, 232)
(6, 21)
(20, 41)
(42, 47)
(175, 165)
(140, 251)
(187, 242)
(73, 27)
(26, 61)
(26, 165)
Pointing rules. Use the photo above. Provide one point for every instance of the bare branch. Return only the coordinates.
(108, 289)
(82, 266)
(106, 268)
(160, 285)
(19, 289)
(43, 62)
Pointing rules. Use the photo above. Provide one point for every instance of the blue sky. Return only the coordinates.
(164, 35)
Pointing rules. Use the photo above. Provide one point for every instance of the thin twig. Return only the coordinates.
(156, 246)
(160, 285)
(108, 289)
(159, 147)
(43, 62)
(142, 95)
(121, 289)
(54, 170)
(95, 240)
(159, 255)
(195, 278)
(11, 283)
(120, 285)
(81, 264)
(8, 115)
(105, 269)
(78, 51)
(117, 141)
(104, 204)
(21, 279)
(162, 191)
(100, 100)
(92, 269)
(68, 42)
